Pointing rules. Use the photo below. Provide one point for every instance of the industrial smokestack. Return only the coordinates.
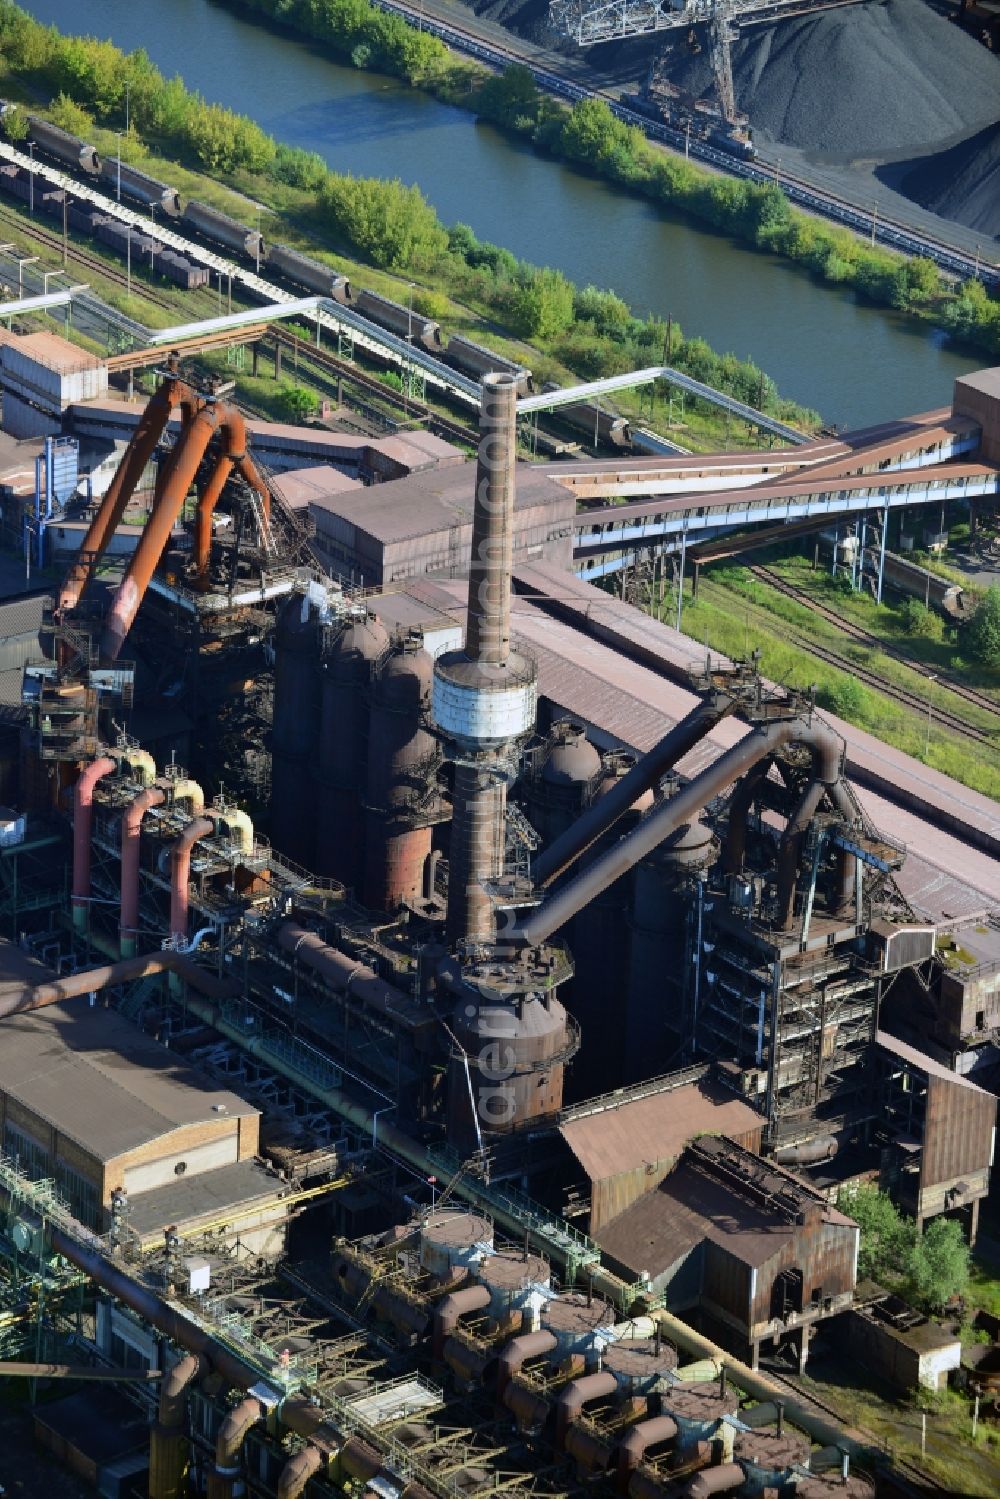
(485, 696)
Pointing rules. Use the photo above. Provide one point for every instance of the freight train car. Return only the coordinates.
(596, 423)
(141, 188)
(475, 359)
(69, 149)
(313, 275)
(225, 231)
(403, 321)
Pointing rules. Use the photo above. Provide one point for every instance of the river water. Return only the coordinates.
(854, 364)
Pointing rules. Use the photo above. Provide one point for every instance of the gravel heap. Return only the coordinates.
(962, 183)
(866, 81)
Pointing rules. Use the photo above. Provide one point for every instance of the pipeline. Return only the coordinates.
(180, 872)
(827, 750)
(92, 980)
(719, 1480)
(576, 1395)
(168, 1444)
(644, 774)
(790, 850)
(345, 975)
(637, 1442)
(142, 446)
(83, 813)
(128, 916)
(449, 1312)
(517, 1352)
(168, 502)
(223, 1478)
(233, 455)
(297, 1472)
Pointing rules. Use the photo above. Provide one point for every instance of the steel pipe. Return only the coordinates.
(222, 1480)
(344, 975)
(167, 506)
(168, 1444)
(827, 750)
(578, 1394)
(637, 1442)
(487, 638)
(450, 1311)
(790, 850)
(645, 773)
(92, 980)
(298, 1470)
(515, 1354)
(180, 872)
(128, 918)
(234, 455)
(142, 445)
(83, 815)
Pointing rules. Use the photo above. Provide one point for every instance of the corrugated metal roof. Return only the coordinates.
(98, 1080)
(22, 616)
(645, 1130)
(921, 1062)
(690, 1206)
(437, 499)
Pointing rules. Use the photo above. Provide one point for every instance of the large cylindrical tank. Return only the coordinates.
(402, 761)
(350, 656)
(579, 1324)
(599, 940)
(832, 1486)
(453, 1241)
(224, 230)
(556, 795)
(517, 1284)
(296, 730)
(770, 1461)
(640, 1365)
(661, 903)
(699, 1410)
(511, 1056)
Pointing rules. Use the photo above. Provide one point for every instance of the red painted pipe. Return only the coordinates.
(517, 1352)
(576, 1395)
(83, 810)
(136, 810)
(180, 872)
(451, 1310)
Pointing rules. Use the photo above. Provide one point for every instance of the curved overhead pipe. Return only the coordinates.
(449, 1312)
(234, 455)
(719, 1480)
(83, 817)
(168, 1444)
(182, 788)
(167, 506)
(180, 872)
(645, 773)
(93, 980)
(790, 850)
(142, 445)
(298, 1470)
(734, 850)
(228, 1444)
(343, 974)
(128, 917)
(637, 1442)
(515, 1354)
(576, 1395)
(827, 750)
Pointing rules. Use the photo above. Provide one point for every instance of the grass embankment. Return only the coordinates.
(736, 614)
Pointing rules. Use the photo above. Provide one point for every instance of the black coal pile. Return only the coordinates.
(962, 183)
(862, 82)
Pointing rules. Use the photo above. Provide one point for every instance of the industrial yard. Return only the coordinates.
(499, 882)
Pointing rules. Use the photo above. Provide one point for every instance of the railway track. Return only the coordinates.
(774, 580)
(334, 365)
(85, 258)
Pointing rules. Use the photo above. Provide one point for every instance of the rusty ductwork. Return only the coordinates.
(516, 1353)
(128, 922)
(223, 1479)
(180, 872)
(234, 455)
(83, 812)
(93, 980)
(168, 1443)
(634, 1446)
(450, 1311)
(578, 1394)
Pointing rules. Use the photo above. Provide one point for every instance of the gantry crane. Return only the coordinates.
(588, 22)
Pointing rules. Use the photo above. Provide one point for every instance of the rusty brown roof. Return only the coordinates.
(643, 1131)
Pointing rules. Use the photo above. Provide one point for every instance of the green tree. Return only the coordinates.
(510, 98)
(920, 622)
(15, 123)
(296, 403)
(541, 304)
(938, 1265)
(392, 224)
(981, 638)
(69, 115)
(886, 1236)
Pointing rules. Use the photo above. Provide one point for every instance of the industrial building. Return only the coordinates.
(471, 997)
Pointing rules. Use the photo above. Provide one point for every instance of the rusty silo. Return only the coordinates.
(296, 730)
(662, 909)
(402, 801)
(350, 657)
